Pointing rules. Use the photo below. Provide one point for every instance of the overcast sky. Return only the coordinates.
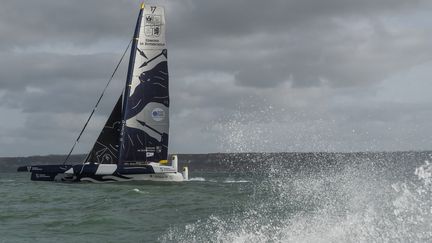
(245, 75)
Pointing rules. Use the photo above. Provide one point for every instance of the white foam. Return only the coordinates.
(197, 179)
(139, 191)
(235, 181)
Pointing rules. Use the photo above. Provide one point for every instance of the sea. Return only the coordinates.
(363, 199)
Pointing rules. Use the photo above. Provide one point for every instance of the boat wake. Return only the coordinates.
(358, 203)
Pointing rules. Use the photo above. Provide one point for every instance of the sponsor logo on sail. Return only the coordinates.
(158, 114)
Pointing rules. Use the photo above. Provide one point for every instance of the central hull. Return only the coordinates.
(160, 177)
(92, 172)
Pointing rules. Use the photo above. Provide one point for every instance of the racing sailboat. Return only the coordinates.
(133, 145)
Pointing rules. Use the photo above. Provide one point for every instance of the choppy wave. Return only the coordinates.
(356, 204)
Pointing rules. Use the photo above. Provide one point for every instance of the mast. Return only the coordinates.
(145, 113)
(132, 61)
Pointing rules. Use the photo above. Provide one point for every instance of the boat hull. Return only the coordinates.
(99, 173)
(161, 177)
(47, 172)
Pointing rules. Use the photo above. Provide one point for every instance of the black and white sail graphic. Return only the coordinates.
(144, 135)
(106, 148)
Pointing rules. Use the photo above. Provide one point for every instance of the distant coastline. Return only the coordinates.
(249, 161)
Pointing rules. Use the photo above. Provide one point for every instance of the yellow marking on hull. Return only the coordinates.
(163, 162)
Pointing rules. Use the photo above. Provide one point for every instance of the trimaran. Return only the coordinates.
(133, 145)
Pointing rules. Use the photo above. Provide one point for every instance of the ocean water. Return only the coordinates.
(362, 201)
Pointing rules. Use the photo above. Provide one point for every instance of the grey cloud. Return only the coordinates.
(59, 99)
(337, 54)
(266, 76)
(48, 133)
(56, 82)
(307, 41)
(210, 19)
(20, 70)
(356, 128)
(24, 23)
(309, 45)
(287, 75)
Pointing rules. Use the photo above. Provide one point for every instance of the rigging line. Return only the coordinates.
(97, 103)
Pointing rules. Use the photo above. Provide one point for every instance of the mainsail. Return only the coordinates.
(106, 148)
(145, 117)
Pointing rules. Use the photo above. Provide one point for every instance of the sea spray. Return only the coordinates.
(413, 206)
(354, 204)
